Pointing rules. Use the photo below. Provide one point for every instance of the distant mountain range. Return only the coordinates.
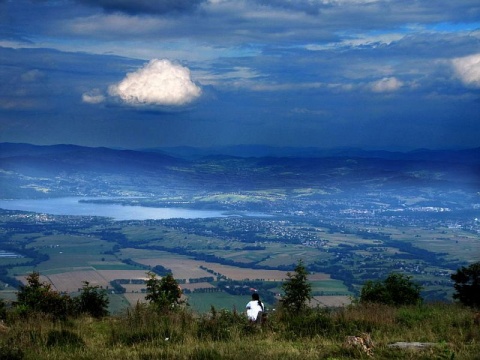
(245, 151)
(71, 169)
(73, 157)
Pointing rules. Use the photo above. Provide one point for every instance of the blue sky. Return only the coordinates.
(373, 74)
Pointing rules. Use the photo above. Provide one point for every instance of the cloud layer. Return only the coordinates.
(144, 6)
(160, 82)
(280, 72)
(93, 97)
(389, 84)
(468, 69)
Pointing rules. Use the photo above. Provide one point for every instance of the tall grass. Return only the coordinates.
(143, 333)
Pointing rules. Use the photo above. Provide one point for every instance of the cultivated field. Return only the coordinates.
(123, 274)
(72, 251)
(184, 267)
(330, 301)
(72, 281)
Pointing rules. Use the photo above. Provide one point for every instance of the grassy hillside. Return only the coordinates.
(141, 333)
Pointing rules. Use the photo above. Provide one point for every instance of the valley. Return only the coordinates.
(350, 219)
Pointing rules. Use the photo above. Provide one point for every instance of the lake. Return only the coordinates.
(73, 206)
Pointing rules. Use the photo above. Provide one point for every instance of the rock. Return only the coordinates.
(412, 345)
(363, 342)
(3, 328)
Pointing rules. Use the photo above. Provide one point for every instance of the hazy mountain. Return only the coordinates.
(463, 156)
(75, 158)
(59, 170)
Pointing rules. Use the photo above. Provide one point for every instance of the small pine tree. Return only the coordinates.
(164, 293)
(297, 290)
(467, 285)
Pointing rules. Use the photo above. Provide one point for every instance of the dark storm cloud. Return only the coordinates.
(45, 78)
(373, 13)
(145, 6)
(307, 6)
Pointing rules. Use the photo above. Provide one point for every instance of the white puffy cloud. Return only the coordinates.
(159, 82)
(468, 69)
(93, 97)
(387, 84)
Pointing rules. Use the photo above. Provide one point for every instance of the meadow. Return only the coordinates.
(433, 331)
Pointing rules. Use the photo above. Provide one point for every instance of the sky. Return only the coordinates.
(371, 74)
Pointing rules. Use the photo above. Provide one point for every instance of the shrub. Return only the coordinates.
(396, 289)
(92, 300)
(467, 285)
(11, 353)
(39, 297)
(3, 310)
(165, 293)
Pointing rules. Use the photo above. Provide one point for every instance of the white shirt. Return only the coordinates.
(253, 308)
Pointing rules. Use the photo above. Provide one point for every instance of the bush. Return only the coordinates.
(467, 285)
(39, 297)
(165, 293)
(3, 310)
(11, 353)
(396, 289)
(92, 300)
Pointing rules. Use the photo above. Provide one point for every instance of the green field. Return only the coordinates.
(352, 253)
(203, 302)
(329, 287)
